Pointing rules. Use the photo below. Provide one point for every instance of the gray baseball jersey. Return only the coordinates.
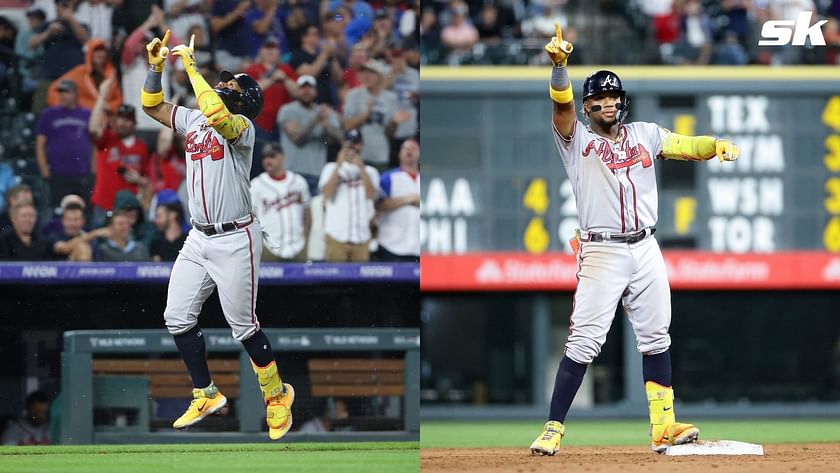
(311, 157)
(615, 187)
(218, 172)
(280, 205)
(614, 182)
(218, 187)
(377, 147)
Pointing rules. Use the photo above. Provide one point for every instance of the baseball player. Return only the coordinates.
(223, 248)
(281, 202)
(610, 165)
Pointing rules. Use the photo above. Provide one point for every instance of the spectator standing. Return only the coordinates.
(459, 36)
(31, 69)
(135, 63)
(73, 243)
(62, 149)
(374, 110)
(63, 39)
(183, 15)
(167, 167)
(696, 35)
(265, 20)
(307, 128)
(351, 78)
(121, 157)
(320, 62)
(281, 203)
(119, 246)
(169, 220)
(232, 33)
(89, 76)
(96, 14)
(405, 81)
(349, 187)
(399, 208)
(33, 427)
(22, 242)
(277, 81)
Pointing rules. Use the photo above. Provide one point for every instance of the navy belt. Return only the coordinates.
(635, 237)
(210, 229)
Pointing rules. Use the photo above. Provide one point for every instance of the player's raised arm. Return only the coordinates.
(697, 148)
(210, 103)
(560, 89)
(151, 95)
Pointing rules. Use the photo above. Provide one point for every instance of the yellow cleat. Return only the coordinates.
(663, 437)
(205, 401)
(278, 412)
(548, 443)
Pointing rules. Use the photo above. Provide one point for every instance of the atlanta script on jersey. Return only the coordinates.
(614, 182)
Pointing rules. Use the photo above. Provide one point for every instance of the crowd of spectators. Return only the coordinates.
(691, 32)
(106, 182)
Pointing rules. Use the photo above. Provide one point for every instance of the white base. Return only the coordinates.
(716, 447)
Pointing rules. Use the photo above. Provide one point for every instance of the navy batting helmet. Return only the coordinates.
(248, 102)
(606, 81)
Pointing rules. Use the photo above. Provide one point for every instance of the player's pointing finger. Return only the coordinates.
(165, 39)
(557, 32)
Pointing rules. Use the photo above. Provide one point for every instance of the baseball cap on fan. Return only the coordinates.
(66, 85)
(376, 66)
(353, 135)
(306, 80)
(70, 199)
(127, 111)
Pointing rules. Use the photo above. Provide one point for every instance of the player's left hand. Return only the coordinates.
(558, 49)
(158, 51)
(187, 54)
(726, 150)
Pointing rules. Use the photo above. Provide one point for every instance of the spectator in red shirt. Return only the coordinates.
(166, 166)
(121, 158)
(350, 79)
(278, 84)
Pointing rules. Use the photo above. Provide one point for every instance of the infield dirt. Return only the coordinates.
(798, 458)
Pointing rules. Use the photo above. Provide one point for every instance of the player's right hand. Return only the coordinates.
(726, 150)
(557, 49)
(187, 54)
(158, 51)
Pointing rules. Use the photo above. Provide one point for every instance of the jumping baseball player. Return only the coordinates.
(223, 248)
(610, 165)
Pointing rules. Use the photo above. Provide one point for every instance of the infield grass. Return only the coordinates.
(471, 434)
(214, 458)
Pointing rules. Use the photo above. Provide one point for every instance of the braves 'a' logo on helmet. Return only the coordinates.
(610, 80)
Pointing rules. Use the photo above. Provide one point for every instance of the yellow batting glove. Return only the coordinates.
(726, 150)
(158, 52)
(187, 54)
(557, 49)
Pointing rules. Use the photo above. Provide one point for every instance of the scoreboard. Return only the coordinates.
(493, 180)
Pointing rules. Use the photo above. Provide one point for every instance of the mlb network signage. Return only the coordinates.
(687, 270)
(784, 32)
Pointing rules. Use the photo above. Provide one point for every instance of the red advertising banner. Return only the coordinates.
(687, 270)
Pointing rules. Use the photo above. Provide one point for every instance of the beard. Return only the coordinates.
(605, 123)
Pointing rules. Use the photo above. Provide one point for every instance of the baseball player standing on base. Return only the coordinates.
(223, 248)
(610, 165)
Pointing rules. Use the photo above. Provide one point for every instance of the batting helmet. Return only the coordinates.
(248, 101)
(606, 81)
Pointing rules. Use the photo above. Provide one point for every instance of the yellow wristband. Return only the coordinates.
(561, 96)
(149, 99)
